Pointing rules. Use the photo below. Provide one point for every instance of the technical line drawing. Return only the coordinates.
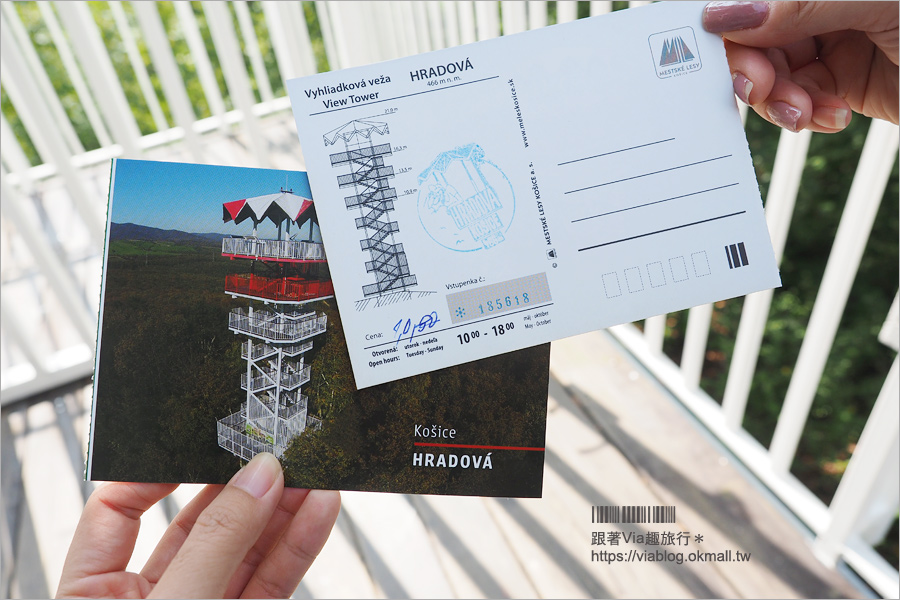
(275, 411)
(466, 202)
(374, 198)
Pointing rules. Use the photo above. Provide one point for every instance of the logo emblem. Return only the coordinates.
(675, 52)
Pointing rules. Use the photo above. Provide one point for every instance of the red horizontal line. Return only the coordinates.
(476, 446)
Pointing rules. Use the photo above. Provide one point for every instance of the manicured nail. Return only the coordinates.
(731, 16)
(832, 118)
(784, 115)
(742, 86)
(259, 475)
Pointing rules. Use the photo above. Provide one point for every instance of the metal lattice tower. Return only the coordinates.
(374, 198)
(275, 409)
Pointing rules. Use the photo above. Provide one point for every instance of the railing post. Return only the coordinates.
(68, 59)
(137, 64)
(46, 137)
(486, 20)
(655, 332)
(787, 171)
(566, 11)
(435, 25)
(101, 76)
(40, 79)
(873, 452)
(188, 23)
(231, 59)
(600, 7)
(514, 16)
(696, 336)
(251, 43)
(169, 76)
(14, 157)
(56, 274)
(468, 32)
(335, 61)
(869, 182)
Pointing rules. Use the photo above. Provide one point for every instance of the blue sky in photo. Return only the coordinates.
(189, 197)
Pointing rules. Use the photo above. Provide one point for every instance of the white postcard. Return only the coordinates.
(498, 195)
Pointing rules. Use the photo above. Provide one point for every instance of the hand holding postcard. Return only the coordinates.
(495, 196)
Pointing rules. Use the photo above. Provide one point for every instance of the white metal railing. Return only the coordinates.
(268, 378)
(258, 351)
(865, 503)
(276, 327)
(52, 272)
(275, 249)
(293, 397)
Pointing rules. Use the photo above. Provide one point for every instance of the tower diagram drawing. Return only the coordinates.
(285, 275)
(368, 177)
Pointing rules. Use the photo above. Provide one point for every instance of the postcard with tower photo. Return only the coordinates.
(220, 338)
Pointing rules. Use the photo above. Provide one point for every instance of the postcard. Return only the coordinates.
(532, 187)
(220, 338)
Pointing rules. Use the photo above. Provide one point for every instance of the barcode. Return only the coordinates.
(633, 514)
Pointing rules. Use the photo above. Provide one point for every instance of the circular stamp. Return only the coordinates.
(466, 203)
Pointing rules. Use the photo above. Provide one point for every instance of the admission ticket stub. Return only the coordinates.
(498, 195)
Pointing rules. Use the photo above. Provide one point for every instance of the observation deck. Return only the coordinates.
(273, 250)
(292, 326)
(287, 290)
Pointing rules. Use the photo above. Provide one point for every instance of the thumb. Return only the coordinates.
(224, 532)
(772, 24)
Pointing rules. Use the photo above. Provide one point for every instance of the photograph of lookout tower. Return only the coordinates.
(220, 338)
(276, 410)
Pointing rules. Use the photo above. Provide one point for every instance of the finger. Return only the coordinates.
(788, 105)
(177, 532)
(224, 532)
(291, 501)
(112, 514)
(281, 571)
(769, 24)
(751, 71)
(799, 54)
(830, 112)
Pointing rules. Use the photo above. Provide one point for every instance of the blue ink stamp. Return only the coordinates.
(466, 203)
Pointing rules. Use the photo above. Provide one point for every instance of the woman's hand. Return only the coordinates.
(251, 538)
(807, 65)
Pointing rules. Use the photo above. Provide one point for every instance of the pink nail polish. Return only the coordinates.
(784, 115)
(732, 16)
(742, 86)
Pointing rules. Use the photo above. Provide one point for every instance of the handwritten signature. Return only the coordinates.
(406, 327)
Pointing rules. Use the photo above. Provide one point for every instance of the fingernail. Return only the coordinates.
(784, 115)
(832, 118)
(731, 16)
(742, 86)
(259, 475)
